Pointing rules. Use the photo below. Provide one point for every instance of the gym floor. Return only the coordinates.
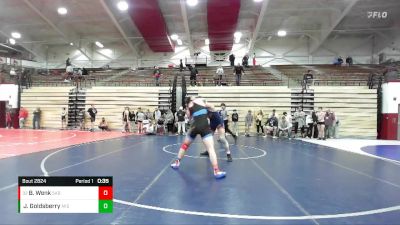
(269, 182)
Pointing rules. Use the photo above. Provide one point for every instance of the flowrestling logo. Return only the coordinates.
(377, 15)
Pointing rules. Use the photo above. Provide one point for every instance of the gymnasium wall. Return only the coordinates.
(9, 92)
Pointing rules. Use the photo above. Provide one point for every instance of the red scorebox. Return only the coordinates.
(105, 193)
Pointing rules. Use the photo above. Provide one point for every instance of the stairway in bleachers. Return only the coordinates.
(303, 99)
(77, 101)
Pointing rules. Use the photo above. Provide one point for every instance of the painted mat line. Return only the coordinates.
(237, 216)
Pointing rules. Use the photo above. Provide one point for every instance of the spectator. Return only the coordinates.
(84, 72)
(254, 59)
(181, 68)
(340, 60)
(308, 79)
(218, 76)
(69, 73)
(193, 75)
(232, 59)
(8, 119)
(23, 115)
(103, 126)
(36, 118)
(299, 122)
(238, 71)
(349, 60)
(180, 120)
(169, 120)
(148, 115)
(235, 119)
(273, 114)
(63, 118)
(312, 120)
(259, 118)
(288, 118)
(67, 63)
(321, 124)
(92, 113)
(285, 127)
(329, 122)
(126, 127)
(224, 115)
(82, 119)
(157, 114)
(336, 124)
(245, 61)
(161, 125)
(139, 120)
(248, 122)
(157, 74)
(131, 119)
(271, 126)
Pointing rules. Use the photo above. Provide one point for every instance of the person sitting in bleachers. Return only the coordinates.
(245, 61)
(103, 126)
(284, 127)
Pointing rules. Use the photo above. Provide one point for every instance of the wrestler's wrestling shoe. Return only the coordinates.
(176, 164)
(219, 174)
(229, 157)
(205, 153)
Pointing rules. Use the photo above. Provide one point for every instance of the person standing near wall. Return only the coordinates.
(36, 118)
(92, 113)
(259, 119)
(224, 115)
(248, 123)
(23, 115)
(321, 124)
(63, 118)
(8, 119)
(180, 118)
(235, 120)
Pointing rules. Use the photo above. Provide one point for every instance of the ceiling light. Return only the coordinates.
(179, 41)
(281, 33)
(174, 37)
(122, 5)
(62, 11)
(258, 0)
(207, 41)
(72, 44)
(16, 35)
(100, 45)
(237, 35)
(192, 2)
(12, 41)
